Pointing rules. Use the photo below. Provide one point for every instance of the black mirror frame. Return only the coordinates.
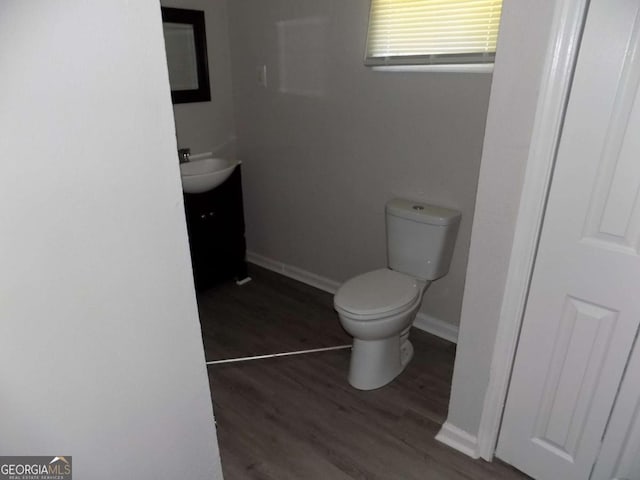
(195, 18)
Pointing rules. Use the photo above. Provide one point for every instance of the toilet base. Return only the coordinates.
(374, 363)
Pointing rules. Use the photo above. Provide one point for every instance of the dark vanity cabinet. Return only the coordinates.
(215, 221)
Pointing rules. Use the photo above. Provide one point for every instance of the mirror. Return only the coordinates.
(186, 47)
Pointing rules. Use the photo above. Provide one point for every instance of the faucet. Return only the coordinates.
(183, 154)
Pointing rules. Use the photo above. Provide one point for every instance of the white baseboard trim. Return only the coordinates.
(304, 276)
(436, 327)
(458, 439)
(423, 322)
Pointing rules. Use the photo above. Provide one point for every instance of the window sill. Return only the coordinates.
(468, 68)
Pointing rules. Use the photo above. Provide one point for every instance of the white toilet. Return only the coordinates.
(377, 308)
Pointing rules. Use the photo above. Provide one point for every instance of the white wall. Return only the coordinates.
(101, 354)
(209, 126)
(329, 141)
(521, 47)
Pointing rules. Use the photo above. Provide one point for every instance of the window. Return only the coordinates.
(432, 32)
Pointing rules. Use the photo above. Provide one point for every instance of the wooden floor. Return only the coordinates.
(270, 314)
(297, 417)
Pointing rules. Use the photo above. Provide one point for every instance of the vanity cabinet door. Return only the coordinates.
(215, 222)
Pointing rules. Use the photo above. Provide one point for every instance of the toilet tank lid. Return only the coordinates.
(422, 212)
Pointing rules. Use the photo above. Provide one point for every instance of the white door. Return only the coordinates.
(620, 454)
(583, 309)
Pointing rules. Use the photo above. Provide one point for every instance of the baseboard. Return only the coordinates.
(458, 439)
(423, 322)
(436, 327)
(304, 276)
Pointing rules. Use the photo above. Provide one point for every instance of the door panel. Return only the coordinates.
(619, 457)
(581, 352)
(583, 309)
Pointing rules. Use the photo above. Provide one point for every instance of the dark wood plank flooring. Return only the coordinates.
(270, 314)
(297, 418)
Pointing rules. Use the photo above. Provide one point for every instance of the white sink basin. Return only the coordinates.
(204, 174)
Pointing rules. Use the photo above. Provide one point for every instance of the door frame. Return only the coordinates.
(558, 68)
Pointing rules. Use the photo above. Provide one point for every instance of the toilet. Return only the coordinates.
(378, 308)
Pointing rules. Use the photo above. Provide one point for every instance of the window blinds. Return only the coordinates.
(414, 32)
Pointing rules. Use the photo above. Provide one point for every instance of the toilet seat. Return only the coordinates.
(376, 293)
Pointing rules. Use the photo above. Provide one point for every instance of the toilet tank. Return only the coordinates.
(420, 238)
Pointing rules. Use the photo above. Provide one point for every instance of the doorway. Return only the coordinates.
(582, 312)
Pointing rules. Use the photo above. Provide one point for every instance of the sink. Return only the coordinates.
(203, 174)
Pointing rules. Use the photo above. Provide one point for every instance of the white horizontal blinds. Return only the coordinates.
(432, 31)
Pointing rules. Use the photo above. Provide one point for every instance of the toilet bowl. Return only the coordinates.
(378, 308)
